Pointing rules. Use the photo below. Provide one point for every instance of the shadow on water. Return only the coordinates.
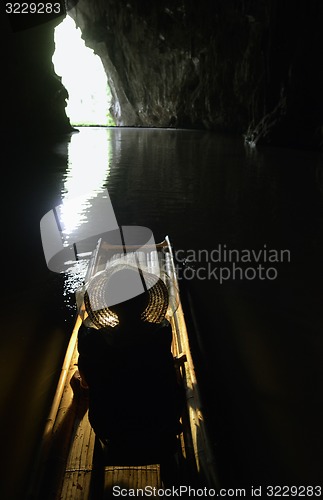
(258, 346)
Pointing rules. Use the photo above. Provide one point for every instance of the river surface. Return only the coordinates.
(246, 227)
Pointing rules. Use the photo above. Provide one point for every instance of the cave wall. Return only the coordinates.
(252, 67)
(33, 97)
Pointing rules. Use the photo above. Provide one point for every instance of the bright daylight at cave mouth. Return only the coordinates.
(83, 76)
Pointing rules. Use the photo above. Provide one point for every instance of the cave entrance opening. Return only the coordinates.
(82, 74)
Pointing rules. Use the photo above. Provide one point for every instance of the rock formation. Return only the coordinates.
(252, 67)
(33, 98)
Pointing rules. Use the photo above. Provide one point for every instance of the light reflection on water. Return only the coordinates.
(89, 159)
(74, 278)
(88, 169)
(200, 188)
(82, 192)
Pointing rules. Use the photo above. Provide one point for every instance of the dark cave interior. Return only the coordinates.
(246, 67)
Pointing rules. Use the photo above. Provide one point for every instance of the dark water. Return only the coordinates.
(257, 339)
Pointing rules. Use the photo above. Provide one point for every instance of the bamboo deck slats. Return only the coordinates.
(117, 478)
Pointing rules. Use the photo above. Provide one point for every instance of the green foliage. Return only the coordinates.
(110, 121)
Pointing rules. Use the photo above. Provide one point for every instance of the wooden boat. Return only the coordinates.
(69, 466)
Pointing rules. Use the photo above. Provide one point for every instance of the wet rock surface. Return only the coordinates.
(247, 67)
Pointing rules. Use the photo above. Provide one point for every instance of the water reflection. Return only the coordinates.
(85, 201)
(87, 172)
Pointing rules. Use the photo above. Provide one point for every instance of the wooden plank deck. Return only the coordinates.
(117, 478)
